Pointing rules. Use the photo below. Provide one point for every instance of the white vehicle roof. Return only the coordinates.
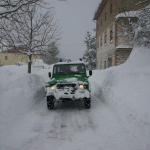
(72, 62)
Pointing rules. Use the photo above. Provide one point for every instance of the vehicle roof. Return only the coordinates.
(72, 62)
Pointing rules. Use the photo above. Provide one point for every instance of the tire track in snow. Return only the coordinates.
(70, 118)
(62, 123)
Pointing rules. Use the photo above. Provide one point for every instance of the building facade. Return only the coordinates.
(13, 56)
(112, 47)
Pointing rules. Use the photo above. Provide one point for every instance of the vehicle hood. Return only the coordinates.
(69, 79)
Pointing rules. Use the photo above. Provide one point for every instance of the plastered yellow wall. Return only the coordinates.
(14, 58)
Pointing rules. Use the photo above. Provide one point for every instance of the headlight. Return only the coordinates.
(81, 86)
(52, 87)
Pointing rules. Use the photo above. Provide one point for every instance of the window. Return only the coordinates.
(105, 16)
(100, 64)
(6, 58)
(111, 35)
(101, 22)
(97, 42)
(111, 9)
(105, 39)
(110, 62)
(105, 65)
(69, 69)
(101, 41)
(97, 26)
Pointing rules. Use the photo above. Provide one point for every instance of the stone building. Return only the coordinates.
(112, 47)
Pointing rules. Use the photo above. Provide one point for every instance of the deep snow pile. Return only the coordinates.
(19, 92)
(125, 89)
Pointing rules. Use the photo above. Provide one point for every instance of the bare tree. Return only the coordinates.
(34, 30)
(9, 7)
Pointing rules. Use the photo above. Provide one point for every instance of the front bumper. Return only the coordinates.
(67, 94)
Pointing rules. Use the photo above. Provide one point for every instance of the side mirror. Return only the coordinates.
(90, 72)
(49, 74)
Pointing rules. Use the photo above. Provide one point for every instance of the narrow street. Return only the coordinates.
(115, 121)
(69, 125)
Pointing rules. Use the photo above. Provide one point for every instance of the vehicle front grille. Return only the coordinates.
(62, 86)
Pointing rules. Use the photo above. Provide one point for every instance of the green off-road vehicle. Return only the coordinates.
(69, 81)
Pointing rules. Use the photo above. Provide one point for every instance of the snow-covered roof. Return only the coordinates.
(123, 46)
(98, 11)
(129, 14)
(14, 50)
(13, 5)
(72, 62)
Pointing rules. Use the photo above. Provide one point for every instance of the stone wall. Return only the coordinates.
(122, 56)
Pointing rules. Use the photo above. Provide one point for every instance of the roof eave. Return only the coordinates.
(101, 6)
(96, 14)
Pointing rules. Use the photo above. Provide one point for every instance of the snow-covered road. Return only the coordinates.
(119, 117)
(68, 126)
(40, 128)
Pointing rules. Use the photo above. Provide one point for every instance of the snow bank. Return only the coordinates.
(19, 92)
(125, 91)
(21, 95)
(138, 60)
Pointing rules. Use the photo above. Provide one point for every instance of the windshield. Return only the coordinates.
(68, 69)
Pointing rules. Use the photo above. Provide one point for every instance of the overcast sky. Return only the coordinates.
(75, 17)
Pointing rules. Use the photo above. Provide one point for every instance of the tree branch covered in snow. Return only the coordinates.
(135, 26)
(142, 2)
(9, 7)
(141, 29)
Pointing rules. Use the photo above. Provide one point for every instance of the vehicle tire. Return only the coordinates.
(50, 105)
(50, 102)
(87, 103)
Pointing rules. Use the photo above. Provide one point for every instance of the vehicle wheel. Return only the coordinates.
(50, 102)
(87, 103)
(50, 105)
